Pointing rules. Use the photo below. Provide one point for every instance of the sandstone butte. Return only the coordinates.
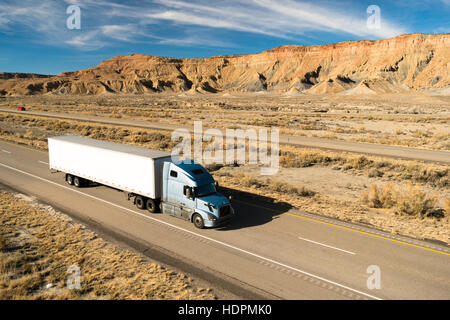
(413, 62)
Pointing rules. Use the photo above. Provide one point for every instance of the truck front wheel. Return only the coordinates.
(198, 221)
(152, 206)
(139, 202)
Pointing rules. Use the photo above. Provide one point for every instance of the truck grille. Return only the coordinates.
(224, 211)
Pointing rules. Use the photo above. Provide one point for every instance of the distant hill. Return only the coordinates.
(414, 62)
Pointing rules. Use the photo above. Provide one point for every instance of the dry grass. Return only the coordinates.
(42, 128)
(282, 187)
(37, 245)
(273, 185)
(411, 200)
(434, 175)
(383, 119)
(300, 197)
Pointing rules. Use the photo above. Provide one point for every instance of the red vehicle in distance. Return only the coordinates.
(21, 108)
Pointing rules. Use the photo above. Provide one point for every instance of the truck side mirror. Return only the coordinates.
(216, 184)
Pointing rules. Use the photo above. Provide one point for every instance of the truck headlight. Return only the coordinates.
(211, 217)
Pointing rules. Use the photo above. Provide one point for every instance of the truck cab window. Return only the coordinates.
(173, 174)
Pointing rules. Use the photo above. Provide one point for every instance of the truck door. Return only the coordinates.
(174, 193)
(178, 203)
(187, 203)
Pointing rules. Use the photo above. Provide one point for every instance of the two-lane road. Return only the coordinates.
(267, 251)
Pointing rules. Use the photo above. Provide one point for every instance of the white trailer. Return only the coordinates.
(129, 168)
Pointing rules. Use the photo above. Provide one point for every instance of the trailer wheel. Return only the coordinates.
(69, 179)
(139, 202)
(152, 205)
(77, 182)
(198, 221)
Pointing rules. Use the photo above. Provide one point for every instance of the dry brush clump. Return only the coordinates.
(38, 245)
(24, 139)
(283, 187)
(301, 158)
(273, 185)
(410, 200)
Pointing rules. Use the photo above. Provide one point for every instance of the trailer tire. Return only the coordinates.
(78, 182)
(139, 202)
(69, 179)
(152, 205)
(197, 220)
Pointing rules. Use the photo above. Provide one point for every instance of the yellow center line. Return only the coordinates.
(342, 227)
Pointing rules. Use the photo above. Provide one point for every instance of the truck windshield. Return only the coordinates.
(205, 190)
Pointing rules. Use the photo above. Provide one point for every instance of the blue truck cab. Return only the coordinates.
(189, 192)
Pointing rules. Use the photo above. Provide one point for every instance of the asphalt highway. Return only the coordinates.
(269, 251)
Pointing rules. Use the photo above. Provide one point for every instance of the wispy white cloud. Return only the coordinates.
(194, 19)
(3, 21)
(39, 16)
(280, 18)
(327, 19)
(195, 40)
(121, 32)
(107, 22)
(88, 41)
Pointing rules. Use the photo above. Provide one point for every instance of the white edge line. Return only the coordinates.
(6, 151)
(194, 233)
(43, 162)
(325, 245)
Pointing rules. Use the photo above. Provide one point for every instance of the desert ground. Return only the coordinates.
(408, 119)
(38, 243)
(400, 196)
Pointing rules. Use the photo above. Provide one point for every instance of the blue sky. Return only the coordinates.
(34, 36)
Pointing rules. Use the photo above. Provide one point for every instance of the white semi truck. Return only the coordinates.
(155, 182)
